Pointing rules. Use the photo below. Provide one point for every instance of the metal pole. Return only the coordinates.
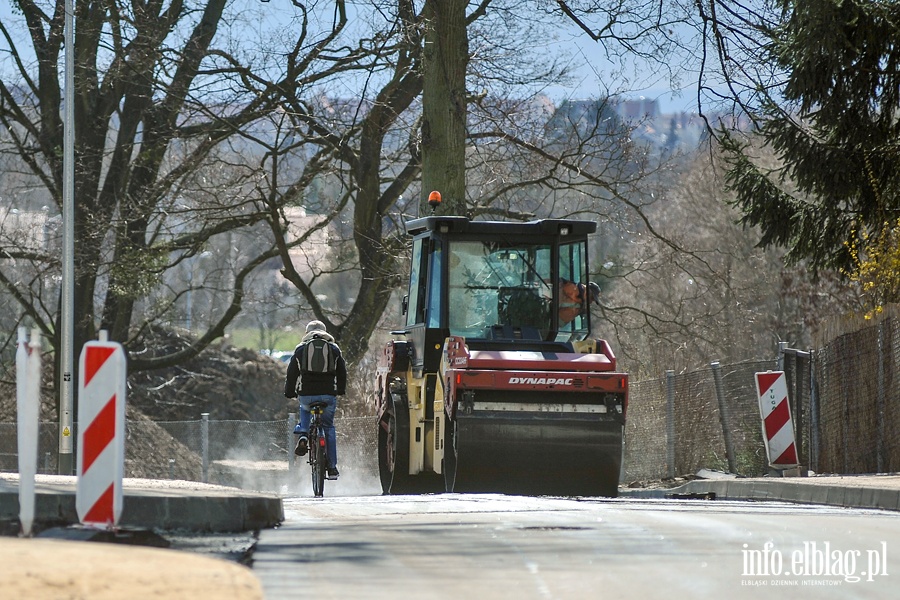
(204, 446)
(880, 401)
(779, 362)
(845, 417)
(670, 424)
(789, 366)
(802, 365)
(723, 417)
(813, 415)
(66, 434)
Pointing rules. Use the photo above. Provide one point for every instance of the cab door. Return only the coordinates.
(424, 325)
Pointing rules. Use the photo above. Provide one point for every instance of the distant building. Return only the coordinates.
(638, 109)
(28, 230)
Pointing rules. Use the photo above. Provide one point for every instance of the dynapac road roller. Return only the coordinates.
(493, 383)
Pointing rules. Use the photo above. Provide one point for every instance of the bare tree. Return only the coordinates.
(715, 295)
(171, 106)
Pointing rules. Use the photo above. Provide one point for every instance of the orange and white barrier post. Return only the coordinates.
(28, 405)
(778, 427)
(101, 433)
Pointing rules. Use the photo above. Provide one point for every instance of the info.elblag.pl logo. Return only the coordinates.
(815, 563)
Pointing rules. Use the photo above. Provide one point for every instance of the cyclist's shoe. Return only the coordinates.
(332, 473)
(300, 450)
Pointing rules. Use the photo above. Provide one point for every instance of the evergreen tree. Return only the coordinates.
(832, 122)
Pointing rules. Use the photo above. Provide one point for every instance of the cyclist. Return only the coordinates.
(317, 373)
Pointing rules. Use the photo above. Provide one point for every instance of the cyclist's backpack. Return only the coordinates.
(317, 356)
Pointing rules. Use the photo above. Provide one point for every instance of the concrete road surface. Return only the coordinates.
(506, 547)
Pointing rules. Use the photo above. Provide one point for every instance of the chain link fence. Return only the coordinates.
(855, 416)
(48, 448)
(676, 425)
(707, 419)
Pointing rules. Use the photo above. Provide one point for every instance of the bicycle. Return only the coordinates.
(318, 455)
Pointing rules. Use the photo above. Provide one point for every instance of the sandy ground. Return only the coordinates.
(64, 570)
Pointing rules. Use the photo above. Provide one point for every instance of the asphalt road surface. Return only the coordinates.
(483, 547)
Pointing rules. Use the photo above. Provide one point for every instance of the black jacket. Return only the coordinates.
(316, 384)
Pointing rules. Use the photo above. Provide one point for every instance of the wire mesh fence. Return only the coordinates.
(679, 424)
(48, 448)
(855, 417)
(674, 426)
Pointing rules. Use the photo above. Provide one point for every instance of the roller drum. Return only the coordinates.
(561, 454)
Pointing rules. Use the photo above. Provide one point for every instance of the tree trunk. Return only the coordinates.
(444, 105)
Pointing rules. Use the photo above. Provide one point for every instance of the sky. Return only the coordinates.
(592, 67)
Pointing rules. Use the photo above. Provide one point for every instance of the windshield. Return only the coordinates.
(497, 283)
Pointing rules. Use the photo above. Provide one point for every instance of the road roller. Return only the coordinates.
(493, 383)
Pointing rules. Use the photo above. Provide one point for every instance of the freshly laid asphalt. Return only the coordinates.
(63, 568)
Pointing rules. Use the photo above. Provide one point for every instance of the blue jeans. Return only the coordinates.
(327, 421)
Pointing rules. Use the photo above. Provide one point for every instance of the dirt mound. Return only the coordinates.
(152, 453)
(227, 383)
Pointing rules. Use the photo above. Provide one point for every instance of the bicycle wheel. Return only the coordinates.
(317, 461)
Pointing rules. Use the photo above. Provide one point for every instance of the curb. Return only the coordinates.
(157, 505)
(784, 490)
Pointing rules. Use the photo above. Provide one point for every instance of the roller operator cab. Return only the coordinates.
(493, 384)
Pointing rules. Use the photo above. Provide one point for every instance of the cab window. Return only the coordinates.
(573, 310)
(415, 312)
(435, 296)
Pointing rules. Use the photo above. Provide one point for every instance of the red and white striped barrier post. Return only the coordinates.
(778, 427)
(101, 433)
(28, 405)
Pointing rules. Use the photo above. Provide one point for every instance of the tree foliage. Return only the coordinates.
(824, 94)
(875, 268)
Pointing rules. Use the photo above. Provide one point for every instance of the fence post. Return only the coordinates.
(844, 417)
(670, 424)
(28, 408)
(292, 422)
(779, 361)
(879, 401)
(723, 418)
(204, 446)
(813, 415)
(801, 365)
(789, 366)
